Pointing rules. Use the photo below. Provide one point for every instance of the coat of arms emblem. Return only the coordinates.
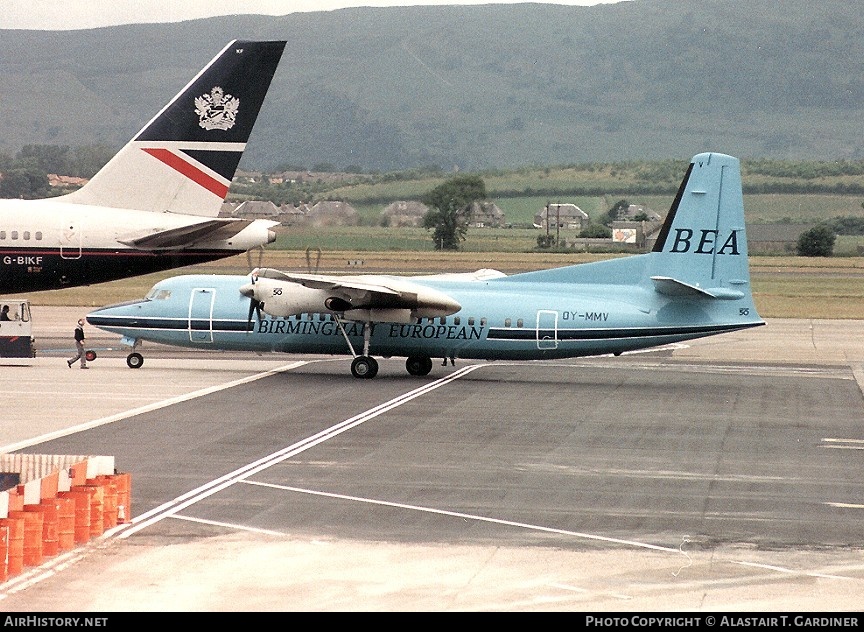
(217, 110)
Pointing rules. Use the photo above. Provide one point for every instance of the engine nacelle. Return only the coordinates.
(383, 315)
(258, 233)
(286, 299)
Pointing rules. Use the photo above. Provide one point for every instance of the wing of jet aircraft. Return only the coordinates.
(186, 236)
(154, 206)
(694, 283)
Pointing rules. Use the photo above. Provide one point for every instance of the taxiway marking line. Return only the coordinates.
(208, 489)
(146, 409)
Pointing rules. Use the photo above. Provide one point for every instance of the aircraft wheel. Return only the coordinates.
(418, 365)
(134, 360)
(364, 367)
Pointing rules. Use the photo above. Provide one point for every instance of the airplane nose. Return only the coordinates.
(248, 290)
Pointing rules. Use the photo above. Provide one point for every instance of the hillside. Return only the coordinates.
(475, 87)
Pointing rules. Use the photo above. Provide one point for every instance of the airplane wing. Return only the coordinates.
(184, 236)
(365, 292)
(358, 291)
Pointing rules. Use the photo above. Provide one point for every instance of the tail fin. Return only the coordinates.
(702, 247)
(184, 159)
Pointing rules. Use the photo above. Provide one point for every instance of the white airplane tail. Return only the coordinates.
(184, 159)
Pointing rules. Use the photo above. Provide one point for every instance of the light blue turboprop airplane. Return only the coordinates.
(695, 283)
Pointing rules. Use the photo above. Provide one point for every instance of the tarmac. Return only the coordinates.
(44, 399)
(29, 397)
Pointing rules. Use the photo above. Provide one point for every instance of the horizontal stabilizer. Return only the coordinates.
(673, 287)
(185, 236)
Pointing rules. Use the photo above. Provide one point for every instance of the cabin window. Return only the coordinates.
(520, 323)
(14, 234)
(442, 320)
(507, 322)
(471, 321)
(38, 235)
(482, 322)
(2, 234)
(456, 320)
(27, 235)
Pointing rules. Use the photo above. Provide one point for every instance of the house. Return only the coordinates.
(636, 210)
(486, 215)
(332, 213)
(774, 238)
(404, 213)
(66, 182)
(255, 209)
(228, 208)
(562, 216)
(293, 214)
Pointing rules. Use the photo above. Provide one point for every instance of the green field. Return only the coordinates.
(783, 287)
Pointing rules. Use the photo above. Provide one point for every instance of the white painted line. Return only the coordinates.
(843, 444)
(208, 489)
(145, 409)
(233, 527)
(789, 571)
(465, 516)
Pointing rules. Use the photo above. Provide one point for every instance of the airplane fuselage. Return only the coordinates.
(498, 319)
(48, 244)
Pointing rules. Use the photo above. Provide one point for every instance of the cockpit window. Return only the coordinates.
(158, 294)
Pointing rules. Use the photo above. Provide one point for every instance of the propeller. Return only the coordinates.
(255, 306)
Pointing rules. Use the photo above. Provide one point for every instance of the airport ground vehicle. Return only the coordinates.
(16, 333)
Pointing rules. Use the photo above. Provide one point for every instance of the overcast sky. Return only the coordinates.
(56, 15)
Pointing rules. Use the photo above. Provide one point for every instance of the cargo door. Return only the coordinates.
(70, 240)
(547, 329)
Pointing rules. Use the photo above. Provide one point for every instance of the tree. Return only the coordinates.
(47, 158)
(816, 242)
(612, 213)
(450, 209)
(545, 241)
(596, 231)
(24, 182)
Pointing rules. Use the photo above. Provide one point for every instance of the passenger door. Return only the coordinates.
(201, 314)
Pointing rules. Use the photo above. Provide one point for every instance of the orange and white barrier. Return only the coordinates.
(54, 503)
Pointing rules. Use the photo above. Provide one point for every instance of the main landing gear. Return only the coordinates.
(418, 365)
(366, 367)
